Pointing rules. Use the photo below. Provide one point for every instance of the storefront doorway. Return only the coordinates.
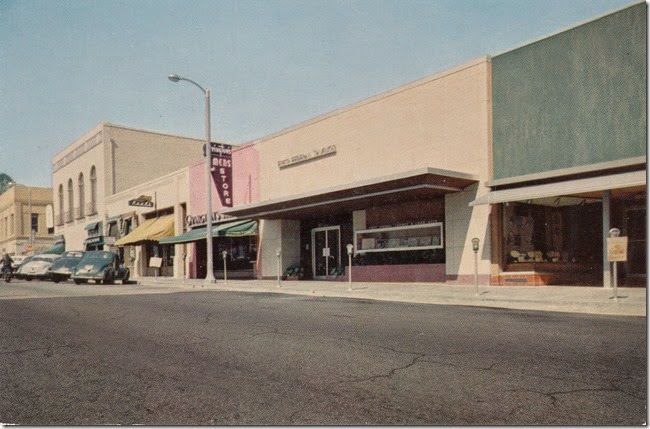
(326, 250)
(635, 221)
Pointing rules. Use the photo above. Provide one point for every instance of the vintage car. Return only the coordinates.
(101, 267)
(37, 267)
(62, 268)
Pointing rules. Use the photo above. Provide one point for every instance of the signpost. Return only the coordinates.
(616, 252)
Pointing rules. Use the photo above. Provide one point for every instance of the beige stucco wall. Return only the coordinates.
(16, 206)
(83, 154)
(124, 158)
(138, 156)
(440, 121)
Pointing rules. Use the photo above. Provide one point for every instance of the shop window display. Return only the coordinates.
(542, 234)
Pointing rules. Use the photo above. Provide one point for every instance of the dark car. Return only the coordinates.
(101, 267)
(62, 268)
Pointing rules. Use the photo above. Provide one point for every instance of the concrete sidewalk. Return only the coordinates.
(570, 299)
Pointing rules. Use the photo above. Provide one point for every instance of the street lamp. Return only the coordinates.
(209, 277)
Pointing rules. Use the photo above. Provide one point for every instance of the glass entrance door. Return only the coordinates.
(326, 250)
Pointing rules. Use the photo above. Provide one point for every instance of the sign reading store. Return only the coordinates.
(307, 156)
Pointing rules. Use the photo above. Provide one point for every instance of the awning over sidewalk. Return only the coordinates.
(423, 183)
(240, 228)
(150, 230)
(577, 188)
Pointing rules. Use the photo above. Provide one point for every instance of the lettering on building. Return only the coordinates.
(201, 220)
(141, 201)
(307, 156)
(222, 171)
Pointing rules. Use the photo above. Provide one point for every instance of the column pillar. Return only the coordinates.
(607, 275)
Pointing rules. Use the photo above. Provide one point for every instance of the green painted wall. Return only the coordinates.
(573, 99)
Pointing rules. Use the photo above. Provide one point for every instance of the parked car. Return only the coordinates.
(19, 260)
(101, 267)
(37, 267)
(62, 268)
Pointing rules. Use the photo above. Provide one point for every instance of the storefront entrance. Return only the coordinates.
(326, 250)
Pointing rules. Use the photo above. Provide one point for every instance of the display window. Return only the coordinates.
(542, 234)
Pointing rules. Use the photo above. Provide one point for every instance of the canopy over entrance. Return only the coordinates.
(581, 190)
(150, 230)
(425, 183)
(240, 228)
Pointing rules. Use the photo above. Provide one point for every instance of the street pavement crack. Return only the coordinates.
(48, 350)
(554, 399)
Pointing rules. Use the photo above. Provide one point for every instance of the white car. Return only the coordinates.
(37, 267)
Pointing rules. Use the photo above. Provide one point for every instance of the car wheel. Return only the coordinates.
(77, 281)
(29, 279)
(56, 279)
(108, 278)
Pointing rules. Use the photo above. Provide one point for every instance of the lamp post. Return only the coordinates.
(209, 276)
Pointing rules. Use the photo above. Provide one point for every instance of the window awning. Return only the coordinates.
(91, 226)
(231, 229)
(150, 230)
(579, 187)
(242, 229)
(423, 183)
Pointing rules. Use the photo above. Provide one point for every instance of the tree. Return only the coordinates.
(5, 182)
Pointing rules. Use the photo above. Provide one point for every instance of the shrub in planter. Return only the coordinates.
(294, 272)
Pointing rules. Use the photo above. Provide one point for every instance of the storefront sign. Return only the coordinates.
(617, 249)
(141, 201)
(222, 171)
(93, 240)
(155, 262)
(201, 220)
(308, 156)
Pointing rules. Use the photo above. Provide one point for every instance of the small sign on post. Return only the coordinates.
(156, 263)
(617, 249)
(616, 252)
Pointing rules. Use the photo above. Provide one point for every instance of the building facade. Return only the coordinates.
(568, 153)
(139, 217)
(108, 161)
(26, 224)
(237, 238)
(392, 175)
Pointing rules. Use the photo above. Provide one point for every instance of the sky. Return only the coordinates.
(68, 65)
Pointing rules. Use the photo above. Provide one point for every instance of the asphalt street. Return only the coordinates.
(122, 355)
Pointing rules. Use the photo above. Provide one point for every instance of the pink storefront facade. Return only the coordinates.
(242, 248)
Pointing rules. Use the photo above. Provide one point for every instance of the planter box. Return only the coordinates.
(398, 273)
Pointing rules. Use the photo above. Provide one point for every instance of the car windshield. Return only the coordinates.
(99, 257)
(43, 258)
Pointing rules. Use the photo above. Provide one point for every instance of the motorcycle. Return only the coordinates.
(7, 274)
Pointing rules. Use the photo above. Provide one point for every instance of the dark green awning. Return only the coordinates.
(91, 226)
(231, 229)
(243, 229)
